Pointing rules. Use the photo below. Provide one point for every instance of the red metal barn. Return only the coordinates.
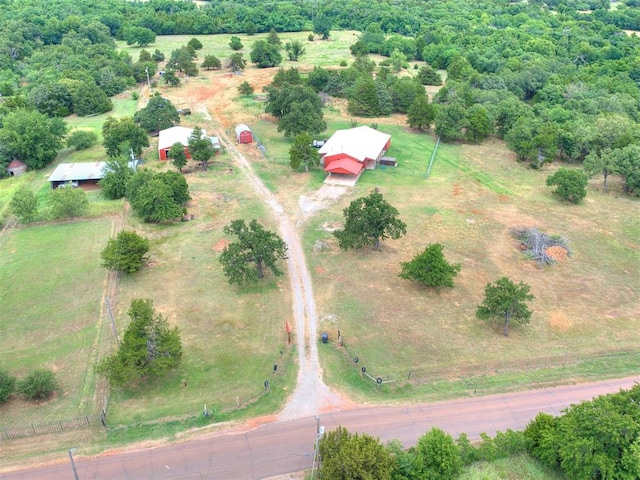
(243, 134)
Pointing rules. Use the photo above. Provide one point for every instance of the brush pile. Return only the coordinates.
(541, 247)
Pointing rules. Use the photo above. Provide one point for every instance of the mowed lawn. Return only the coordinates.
(51, 302)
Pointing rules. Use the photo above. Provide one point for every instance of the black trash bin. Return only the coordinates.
(325, 337)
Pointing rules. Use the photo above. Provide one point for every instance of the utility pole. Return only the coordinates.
(146, 69)
(73, 464)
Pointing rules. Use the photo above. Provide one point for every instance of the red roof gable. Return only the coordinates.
(344, 165)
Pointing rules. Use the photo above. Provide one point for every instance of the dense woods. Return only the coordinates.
(555, 80)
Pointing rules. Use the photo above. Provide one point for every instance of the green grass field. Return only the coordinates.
(518, 467)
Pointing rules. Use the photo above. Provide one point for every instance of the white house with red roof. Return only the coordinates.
(169, 137)
(350, 151)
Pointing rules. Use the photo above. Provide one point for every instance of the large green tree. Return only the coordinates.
(627, 165)
(117, 173)
(150, 348)
(506, 302)
(368, 220)
(322, 26)
(31, 137)
(430, 268)
(182, 60)
(347, 456)
(139, 35)
(421, 113)
(155, 203)
(439, 455)
(178, 156)
(255, 251)
(158, 114)
(37, 385)
(122, 135)
(600, 163)
(211, 62)
(571, 184)
(302, 117)
(126, 253)
(302, 152)
(265, 54)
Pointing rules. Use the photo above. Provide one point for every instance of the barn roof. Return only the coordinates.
(67, 172)
(16, 164)
(170, 136)
(360, 143)
(241, 127)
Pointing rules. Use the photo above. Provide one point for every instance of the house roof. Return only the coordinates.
(170, 136)
(241, 127)
(66, 172)
(360, 143)
(345, 165)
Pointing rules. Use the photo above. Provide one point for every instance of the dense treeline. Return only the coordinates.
(553, 79)
(596, 439)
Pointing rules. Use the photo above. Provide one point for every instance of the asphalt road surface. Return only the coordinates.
(275, 448)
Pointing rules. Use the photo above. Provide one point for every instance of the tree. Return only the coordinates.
(250, 28)
(571, 184)
(66, 202)
(265, 54)
(211, 62)
(439, 455)
(182, 60)
(149, 348)
(294, 50)
(170, 78)
(82, 139)
(31, 137)
(86, 97)
(505, 301)
(369, 220)
(157, 56)
(302, 152)
(450, 121)
(364, 100)
(236, 43)
(195, 44)
(479, 123)
(257, 250)
(430, 268)
(236, 62)
(7, 384)
(273, 38)
(429, 76)
(245, 89)
(116, 176)
(123, 135)
(421, 113)
(322, 26)
(24, 205)
(404, 92)
(178, 184)
(347, 456)
(627, 165)
(154, 202)
(140, 35)
(144, 56)
(200, 147)
(126, 253)
(177, 154)
(38, 385)
(158, 114)
(303, 117)
(599, 163)
(398, 60)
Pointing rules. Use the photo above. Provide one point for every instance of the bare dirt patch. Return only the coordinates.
(558, 253)
(220, 245)
(558, 321)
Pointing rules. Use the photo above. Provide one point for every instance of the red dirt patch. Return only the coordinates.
(319, 270)
(456, 190)
(558, 253)
(220, 245)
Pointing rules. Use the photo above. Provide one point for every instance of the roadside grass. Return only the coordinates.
(517, 467)
(51, 303)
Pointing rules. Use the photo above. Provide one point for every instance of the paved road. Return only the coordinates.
(242, 452)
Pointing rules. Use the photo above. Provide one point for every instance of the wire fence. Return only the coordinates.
(54, 426)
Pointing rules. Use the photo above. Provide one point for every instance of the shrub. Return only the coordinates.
(82, 139)
(38, 384)
(7, 384)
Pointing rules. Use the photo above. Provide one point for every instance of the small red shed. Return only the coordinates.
(243, 134)
(16, 168)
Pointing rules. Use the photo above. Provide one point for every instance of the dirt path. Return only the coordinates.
(311, 396)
